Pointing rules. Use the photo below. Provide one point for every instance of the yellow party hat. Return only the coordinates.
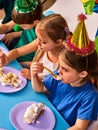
(79, 42)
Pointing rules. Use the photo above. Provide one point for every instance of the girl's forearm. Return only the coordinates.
(26, 49)
(4, 28)
(13, 54)
(37, 84)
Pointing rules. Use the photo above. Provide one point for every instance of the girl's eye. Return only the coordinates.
(41, 41)
(64, 69)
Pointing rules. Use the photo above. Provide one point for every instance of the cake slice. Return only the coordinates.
(10, 79)
(33, 112)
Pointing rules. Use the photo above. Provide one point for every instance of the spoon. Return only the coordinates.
(53, 74)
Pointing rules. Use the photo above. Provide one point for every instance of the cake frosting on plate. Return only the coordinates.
(10, 79)
(33, 112)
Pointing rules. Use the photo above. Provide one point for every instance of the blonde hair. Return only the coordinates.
(54, 25)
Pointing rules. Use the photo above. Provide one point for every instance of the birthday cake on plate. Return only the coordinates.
(10, 79)
(33, 112)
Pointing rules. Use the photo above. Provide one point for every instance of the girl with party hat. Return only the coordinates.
(74, 96)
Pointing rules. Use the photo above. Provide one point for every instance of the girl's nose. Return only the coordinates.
(38, 42)
(60, 71)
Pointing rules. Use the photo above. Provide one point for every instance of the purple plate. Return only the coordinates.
(46, 120)
(2, 36)
(3, 50)
(11, 89)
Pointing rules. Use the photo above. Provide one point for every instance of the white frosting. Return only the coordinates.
(32, 112)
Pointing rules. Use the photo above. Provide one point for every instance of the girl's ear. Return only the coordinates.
(83, 74)
(36, 22)
(59, 42)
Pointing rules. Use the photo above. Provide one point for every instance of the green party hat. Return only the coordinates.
(88, 6)
(25, 6)
(79, 42)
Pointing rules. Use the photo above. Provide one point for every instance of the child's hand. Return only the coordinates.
(36, 68)
(26, 73)
(3, 59)
(8, 38)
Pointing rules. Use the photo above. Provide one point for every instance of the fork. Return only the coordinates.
(53, 74)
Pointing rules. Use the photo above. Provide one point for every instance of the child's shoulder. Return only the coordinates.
(91, 90)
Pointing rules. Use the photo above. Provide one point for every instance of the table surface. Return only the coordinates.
(9, 100)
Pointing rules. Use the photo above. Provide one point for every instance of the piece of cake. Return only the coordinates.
(11, 79)
(1, 72)
(33, 112)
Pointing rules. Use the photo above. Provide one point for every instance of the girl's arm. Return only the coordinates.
(80, 125)
(37, 83)
(26, 49)
(4, 28)
(15, 53)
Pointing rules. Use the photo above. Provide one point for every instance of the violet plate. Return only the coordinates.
(11, 89)
(46, 120)
(2, 36)
(3, 50)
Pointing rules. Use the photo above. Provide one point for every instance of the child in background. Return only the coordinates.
(7, 6)
(51, 31)
(74, 96)
(27, 14)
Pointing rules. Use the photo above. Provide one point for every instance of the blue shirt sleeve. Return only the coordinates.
(48, 82)
(89, 107)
